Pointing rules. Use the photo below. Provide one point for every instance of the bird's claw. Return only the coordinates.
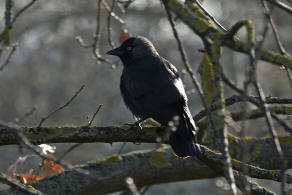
(136, 125)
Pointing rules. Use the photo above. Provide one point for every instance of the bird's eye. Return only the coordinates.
(129, 48)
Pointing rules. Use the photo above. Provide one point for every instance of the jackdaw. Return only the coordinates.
(152, 88)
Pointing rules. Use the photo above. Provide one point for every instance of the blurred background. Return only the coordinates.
(49, 66)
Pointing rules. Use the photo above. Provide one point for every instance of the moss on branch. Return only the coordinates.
(261, 151)
(199, 22)
(147, 167)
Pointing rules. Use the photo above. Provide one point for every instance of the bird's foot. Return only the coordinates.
(137, 125)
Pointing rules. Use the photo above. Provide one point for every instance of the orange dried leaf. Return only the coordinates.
(50, 168)
(124, 35)
(28, 178)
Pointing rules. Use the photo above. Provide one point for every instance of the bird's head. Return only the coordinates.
(133, 48)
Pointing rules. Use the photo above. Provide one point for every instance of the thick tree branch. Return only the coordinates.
(146, 168)
(261, 151)
(108, 175)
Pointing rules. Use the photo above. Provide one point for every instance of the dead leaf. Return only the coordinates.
(124, 35)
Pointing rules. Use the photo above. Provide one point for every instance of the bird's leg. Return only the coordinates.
(137, 124)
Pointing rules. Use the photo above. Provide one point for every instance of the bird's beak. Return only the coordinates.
(116, 52)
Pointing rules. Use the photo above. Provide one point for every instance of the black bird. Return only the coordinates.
(151, 87)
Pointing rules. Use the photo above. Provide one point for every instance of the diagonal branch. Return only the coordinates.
(277, 36)
(281, 5)
(61, 107)
(13, 49)
(22, 10)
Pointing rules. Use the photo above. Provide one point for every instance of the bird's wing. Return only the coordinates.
(177, 82)
(179, 86)
(170, 67)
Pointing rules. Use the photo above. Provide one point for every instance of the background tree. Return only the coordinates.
(61, 47)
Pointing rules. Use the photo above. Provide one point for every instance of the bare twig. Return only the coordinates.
(116, 17)
(282, 123)
(209, 15)
(26, 115)
(60, 108)
(273, 133)
(109, 28)
(22, 10)
(13, 49)
(94, 115)
(249, 75)
(277, 36)
(254, 56)
(268, 14)
(282, 5)
(80, 40)
(96, 37)
(122, 147)
(254, 52)
(70, 149)
(253, 100)
(232, 123)
(126, 3)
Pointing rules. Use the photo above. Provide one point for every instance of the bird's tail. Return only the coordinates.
(183, 140)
